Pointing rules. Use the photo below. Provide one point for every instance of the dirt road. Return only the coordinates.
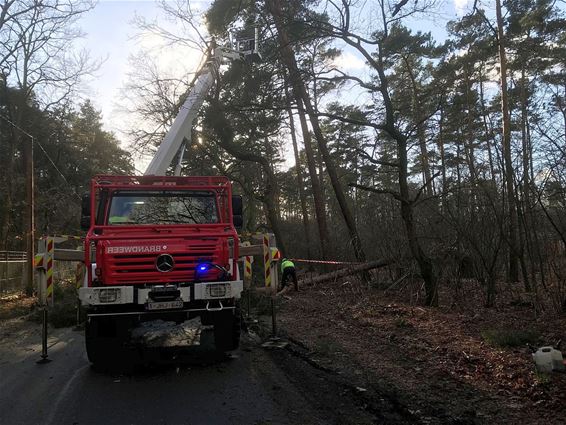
(254, 386)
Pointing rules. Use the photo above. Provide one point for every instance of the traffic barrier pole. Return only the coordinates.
(79, 277)
(44, 354)
(49, 269)
(248, 259)
(267, 260)
(41, 265)
(273, 318)
(269, 275)
(44, 266)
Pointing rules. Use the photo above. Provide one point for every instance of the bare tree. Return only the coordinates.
(372, 48)
(303, 97)
(151, 100)
(36, 58)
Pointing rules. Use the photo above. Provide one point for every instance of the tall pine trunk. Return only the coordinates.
(300, 182)
(325, 248)
(513, 221)
(301, 92)
(421, 133)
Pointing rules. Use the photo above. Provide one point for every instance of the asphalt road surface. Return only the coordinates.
(253, 386)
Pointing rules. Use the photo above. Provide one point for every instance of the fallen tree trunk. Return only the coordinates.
(360, 268)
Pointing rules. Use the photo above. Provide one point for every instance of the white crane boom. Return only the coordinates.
(180, 131)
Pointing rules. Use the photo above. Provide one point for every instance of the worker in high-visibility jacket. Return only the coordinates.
(288, 272)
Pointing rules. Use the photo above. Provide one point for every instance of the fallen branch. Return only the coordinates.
(346, 272)
(401, 279)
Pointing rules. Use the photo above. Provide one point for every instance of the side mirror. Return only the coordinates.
(85, 222)
(85, 211)
(237, 205)
(85, 205)
(237, 211)
(238, 221)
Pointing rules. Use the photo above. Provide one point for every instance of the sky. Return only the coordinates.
(110, 36)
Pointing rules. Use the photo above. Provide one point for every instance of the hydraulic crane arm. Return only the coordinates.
(182, 126)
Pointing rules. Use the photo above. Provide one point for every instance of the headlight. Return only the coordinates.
(217, 290)
(110, 295)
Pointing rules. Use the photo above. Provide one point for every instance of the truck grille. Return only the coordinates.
(141, 268)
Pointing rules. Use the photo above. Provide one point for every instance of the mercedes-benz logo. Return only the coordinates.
(164, 263)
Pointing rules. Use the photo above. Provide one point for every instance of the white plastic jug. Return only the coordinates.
(548, 359)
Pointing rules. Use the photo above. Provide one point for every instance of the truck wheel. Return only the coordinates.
(105, 339)
(96, 346)
(227, 325)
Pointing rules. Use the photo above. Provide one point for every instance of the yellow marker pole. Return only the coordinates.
(275, 257)
(267, 257)
(41, 263)
(40, 266)
(49, 269)
(267, 260)
(248, 260)
(275, 254)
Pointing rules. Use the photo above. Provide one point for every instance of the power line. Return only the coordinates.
(59, 171)
(16, 126)
(34, 140)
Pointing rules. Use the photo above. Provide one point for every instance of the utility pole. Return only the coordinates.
(29, 216)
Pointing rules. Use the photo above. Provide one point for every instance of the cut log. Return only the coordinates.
(359, 268)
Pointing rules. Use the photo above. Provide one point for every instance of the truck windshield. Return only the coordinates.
(162, 207)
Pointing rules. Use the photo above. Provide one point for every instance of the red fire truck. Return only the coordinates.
(163, 247)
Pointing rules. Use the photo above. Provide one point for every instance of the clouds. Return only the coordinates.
(348, 61)
(461, 6)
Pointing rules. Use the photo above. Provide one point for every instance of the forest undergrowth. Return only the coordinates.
(460, 362)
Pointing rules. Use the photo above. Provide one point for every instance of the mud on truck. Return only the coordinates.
(159, 248)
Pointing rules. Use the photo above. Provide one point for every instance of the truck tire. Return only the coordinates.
(227, 327)
(105, 340)
(96, 346)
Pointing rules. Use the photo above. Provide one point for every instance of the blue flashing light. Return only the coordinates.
(203, 267)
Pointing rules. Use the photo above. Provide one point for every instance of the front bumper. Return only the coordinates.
(131, 295)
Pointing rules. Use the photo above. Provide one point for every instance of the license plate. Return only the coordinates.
(164, 305)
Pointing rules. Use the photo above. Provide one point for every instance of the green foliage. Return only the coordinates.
(63, 314)
(222, 12)
(70, 147)
(435, 106)
(64, 311)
